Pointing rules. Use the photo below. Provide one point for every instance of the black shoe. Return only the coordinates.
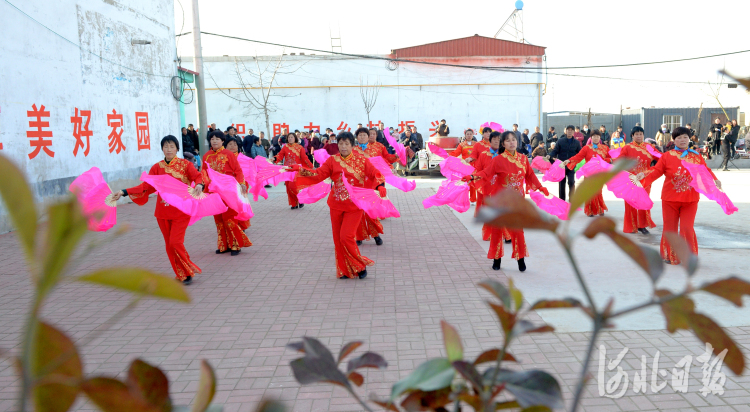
(521, 265)
(294, 207)
(301, 205)
(496, 264)
(359, 243)
(219, 252)
(378, 240)
(343, 278)
(188, 280)
(643, 230)
(235, 252)
(363, 274)
(507, 241)
(267, 186)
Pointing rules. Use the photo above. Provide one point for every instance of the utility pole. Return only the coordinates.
(200, 86)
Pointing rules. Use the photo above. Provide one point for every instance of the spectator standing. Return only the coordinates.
(727, 145)
(551, 136)
(622, 134)
(247, 141)
(566, 148)
(663, 136)
(256, 148)
(605, 134)
(526, 142)
(417, 138)
(443, 130)
(264, 142)
(716, 135)
(193, 136)
(586, 132)
(539, 150)
(332, 147)
(188, 150)
(536, 138)
(579, 136)
(519, 138)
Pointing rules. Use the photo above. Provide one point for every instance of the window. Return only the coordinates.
(672, 121)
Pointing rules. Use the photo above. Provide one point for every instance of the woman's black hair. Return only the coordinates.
(362, 130)
(344, 135)
(217, 133)
(373, 130)
(495, 134)
(256, 139)
(296, 139)
(170, 138)
(235, 139)
(486, 130)
(678, 131)
(505, 136)
(596, 132)
(636, 129)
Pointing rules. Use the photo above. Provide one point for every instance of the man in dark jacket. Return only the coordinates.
(566, 148)
(247, 142)
(727, 146)
(193, 136)
(536, 137)
(605, 135)
(716, 134)
(417, 137)
(443, 129)
(551, 137)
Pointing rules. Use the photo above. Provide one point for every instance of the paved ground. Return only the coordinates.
(246, 308)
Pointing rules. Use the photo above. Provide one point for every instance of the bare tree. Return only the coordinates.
(369, 95)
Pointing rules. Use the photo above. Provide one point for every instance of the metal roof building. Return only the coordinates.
(651, 118)
(475, 45)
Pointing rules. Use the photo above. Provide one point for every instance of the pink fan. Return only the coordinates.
(541, 164)
(655, 153)
(400, 149)
(368, 200)
(615, 153)
(179, 195)
(626, 187)
(453, 193)
(95, 198)
(497, 127)
(454, 169)
(703, 183)
(314, 193)
(267, 173)
(249, 169)
(438, 150)
(393, 180)
(231, 193)
(555, 173)
(554, 205)
(321, 155)
(592, 167)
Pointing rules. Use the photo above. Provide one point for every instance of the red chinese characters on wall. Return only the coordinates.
(143, 136)
(277, 127)
(240, 127)
(370, 124)
(81, 130)
(40, 143)
(404, 124)
(312, 127)
(433, 129)
(114, 121)
(344, 126)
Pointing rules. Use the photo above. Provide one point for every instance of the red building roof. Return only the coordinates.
(475, 45)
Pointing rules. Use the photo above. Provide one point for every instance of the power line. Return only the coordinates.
(648, 63)
(490, 68)
(79, 46)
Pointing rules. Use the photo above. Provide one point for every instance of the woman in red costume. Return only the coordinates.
(375, 148)
(484, 160)
(234, 145)
(293, 154)
(594, 206)
(172, 222)
(369, 147)
(345, 215)
(464, 151)
(508, 169)
(638, 220)
(679, 201)
(230, 236)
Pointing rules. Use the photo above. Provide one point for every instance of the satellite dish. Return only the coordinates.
(519, 5)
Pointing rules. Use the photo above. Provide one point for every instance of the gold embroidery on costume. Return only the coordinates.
(355, 165)
(177, 168)
(515, 160)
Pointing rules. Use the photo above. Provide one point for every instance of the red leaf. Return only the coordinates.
(708, 331)
(507, 319)
(731, 289)
(491, 356)
(151, 383)
(677, 311)
(347, 349)
(509, 209)
(356, 378)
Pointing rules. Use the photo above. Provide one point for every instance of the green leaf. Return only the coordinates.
(432, 375)
(507, 405)
(497, 289)
(453, 347)
(470, 373)
(591, 185)
(111, 395)
(507, 319)
(65, 228)
(54, 354)
(537, 408)
(151, 383)
(517, 295)
(709, 332)
(677, 311)
(347, 349)
(206, 388)
(688, 260)
(554, 304)
(731, 289)
(531, 388)
(510, 210)
(139, 281)
(491, 356)
(367, 360)
(19, 201)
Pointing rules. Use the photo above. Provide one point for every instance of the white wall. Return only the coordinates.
(325, 90)
(39, 67)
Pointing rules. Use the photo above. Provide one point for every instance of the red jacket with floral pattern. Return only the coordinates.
(677, 179)
(182, 170)
(508, 171)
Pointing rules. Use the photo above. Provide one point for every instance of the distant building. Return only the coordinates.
(651, 118)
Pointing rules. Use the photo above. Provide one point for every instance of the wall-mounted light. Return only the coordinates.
(134, 42)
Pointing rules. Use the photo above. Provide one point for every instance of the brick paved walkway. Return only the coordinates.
(246, 308)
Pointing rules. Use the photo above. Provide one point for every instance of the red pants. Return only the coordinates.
(174, 240)
(291, 193)
(486, 230)
(496, 243)
(344, 227)
(678, 215)
(472, 193)
(637, 219)
(595, 205)
(244, 225)
(229, 233)
(369, 228)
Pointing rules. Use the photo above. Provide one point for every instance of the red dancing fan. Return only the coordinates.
(626, 187)
(315, 192)
(541, 164)
(496, 127)
(95, 198)
(615, 153)
(555, 173)
(592, 167)
(368, 200)
(320, 156)
(181, 196)
(438, 150)
(453, 193)
(554, 205)
(704, 183)
(267, 173)
(231, 193)
(398, 182)
(400, 149)
(454, 169)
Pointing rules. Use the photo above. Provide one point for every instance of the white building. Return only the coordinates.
(83, 60)
(315, 91)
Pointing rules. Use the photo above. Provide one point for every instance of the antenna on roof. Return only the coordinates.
(513, 25)
(335, 41)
